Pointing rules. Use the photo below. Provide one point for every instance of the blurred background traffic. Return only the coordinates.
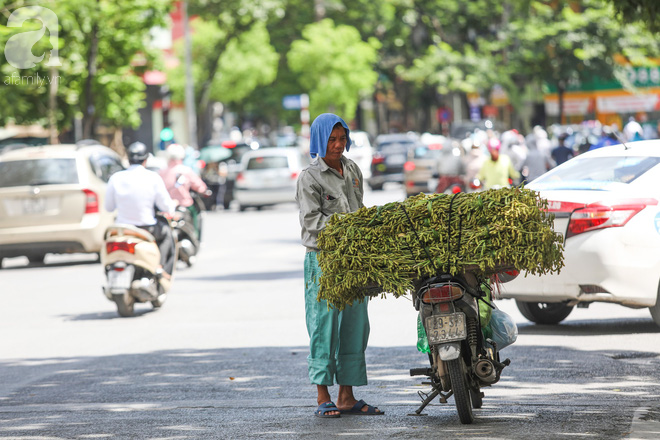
(429, 88)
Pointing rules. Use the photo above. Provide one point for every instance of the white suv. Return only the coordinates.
(51, 199)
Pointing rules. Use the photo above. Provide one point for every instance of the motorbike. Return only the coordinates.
(462, 359)
(131, 259)
(187, 235)
(457, 185)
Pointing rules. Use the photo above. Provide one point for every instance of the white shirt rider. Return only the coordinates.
(134, 193)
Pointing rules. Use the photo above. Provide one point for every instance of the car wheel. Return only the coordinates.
(229, 196)
(242, 208)
(544, 313)
(655, 310)
(36, 259)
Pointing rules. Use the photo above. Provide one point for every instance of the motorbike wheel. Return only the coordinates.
(159, 302)
(462, 395)
(544, 313)
(125, 305)
(477, 398)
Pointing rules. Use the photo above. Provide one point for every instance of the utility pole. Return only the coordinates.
(190, 91)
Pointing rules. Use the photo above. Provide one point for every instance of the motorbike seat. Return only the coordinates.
(128, 230)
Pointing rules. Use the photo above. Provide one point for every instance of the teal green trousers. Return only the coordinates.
(337, 339)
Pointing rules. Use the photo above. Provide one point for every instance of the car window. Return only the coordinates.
(267, 162)
(105, 166)
(237, 152)
(394, 147)
(38, 172)
(424, 152)
(596, 172)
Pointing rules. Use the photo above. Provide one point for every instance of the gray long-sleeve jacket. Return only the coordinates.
(322, 191)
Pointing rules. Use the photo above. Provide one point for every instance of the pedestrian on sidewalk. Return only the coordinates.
(332, 183)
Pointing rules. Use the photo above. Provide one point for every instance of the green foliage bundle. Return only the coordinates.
(394, 245)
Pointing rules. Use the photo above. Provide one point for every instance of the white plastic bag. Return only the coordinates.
(505, 330)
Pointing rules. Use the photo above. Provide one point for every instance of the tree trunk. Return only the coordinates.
(89, 111)
(560, 94)
(212, 68)
(117, 143)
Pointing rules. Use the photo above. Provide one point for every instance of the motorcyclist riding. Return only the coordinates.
(135, 193)
(180, 179)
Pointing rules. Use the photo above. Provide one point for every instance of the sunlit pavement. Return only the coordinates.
(226, 356)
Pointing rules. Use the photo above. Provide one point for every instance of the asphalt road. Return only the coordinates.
(225, 357)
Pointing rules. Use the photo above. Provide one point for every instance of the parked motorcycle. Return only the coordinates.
(463, 360)
(131, 259)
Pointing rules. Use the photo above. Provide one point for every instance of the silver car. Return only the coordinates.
(268, 176)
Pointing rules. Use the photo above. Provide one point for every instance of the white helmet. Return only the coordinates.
(176, 152)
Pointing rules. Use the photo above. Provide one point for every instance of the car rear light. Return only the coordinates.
(377, 159)
(115, 246)
(409, 166)
(294, 175)
(601, 216)
(240, 177)
(439, 293)
(410, 183)
(91, 202)
(229, 144)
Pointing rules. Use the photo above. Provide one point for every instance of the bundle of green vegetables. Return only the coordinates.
(385, 249)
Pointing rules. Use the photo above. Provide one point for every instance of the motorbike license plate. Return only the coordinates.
(395, 159)
(120, 279)
(445, 328)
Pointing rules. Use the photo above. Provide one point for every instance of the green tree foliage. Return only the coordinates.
(104, 48)
(224, 76)
(244, 62)
(523, 45)
(335, 65)
(644, 11)
(559, 44)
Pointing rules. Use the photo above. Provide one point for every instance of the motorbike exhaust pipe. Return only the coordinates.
(485, 370)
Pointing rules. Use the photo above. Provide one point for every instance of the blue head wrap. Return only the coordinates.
(320, 132)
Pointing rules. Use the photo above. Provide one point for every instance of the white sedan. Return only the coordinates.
(268, 176)
(605, 203)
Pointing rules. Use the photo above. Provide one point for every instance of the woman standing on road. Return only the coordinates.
(331, 184)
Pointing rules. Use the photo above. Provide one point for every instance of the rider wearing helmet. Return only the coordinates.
(496, 172)
(135, 193)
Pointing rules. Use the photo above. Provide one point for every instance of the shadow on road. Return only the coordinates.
(51, 261)
(592, 327)
(264, 392)
(100, 316)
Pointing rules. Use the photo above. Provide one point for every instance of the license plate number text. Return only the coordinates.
(445, 328)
